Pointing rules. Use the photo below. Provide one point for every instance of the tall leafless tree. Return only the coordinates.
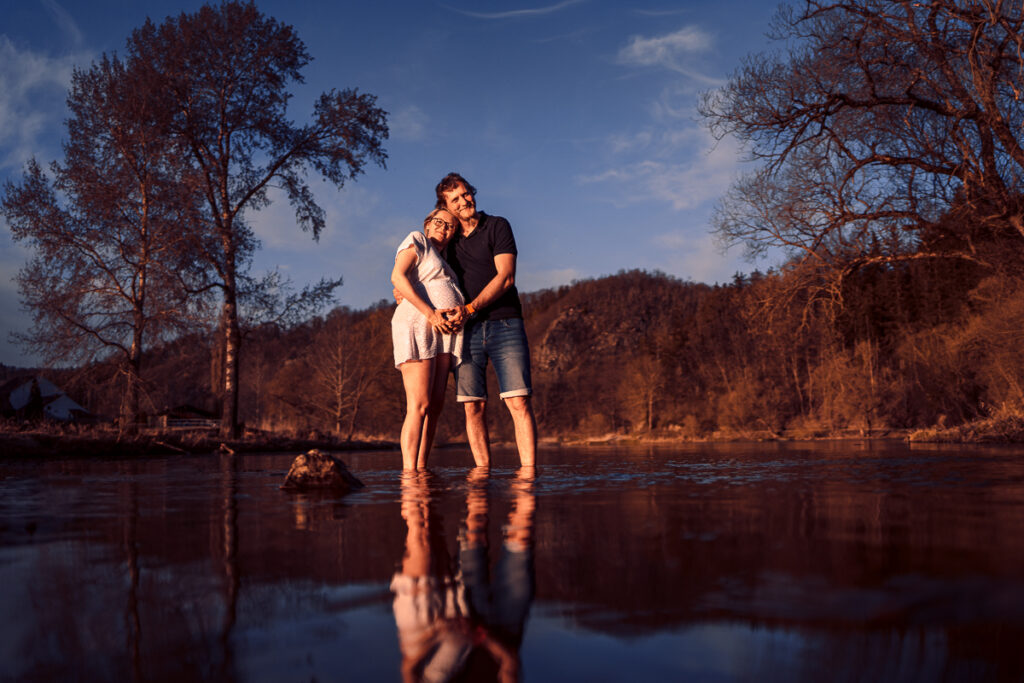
(225, 72)
(882, 131)
(110, 268)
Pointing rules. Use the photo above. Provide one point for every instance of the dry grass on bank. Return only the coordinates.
(19, 439)
(52, 439)
(1005, 427)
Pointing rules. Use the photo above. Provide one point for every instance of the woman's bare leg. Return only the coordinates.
(438, 388)
(417, 376)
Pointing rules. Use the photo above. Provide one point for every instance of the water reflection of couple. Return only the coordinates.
(456, 620)
(459, 308)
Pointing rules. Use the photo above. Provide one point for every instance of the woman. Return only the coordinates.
(423, 351)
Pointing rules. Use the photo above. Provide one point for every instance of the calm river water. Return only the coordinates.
(824, 562)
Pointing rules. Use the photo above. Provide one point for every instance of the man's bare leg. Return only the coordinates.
(526, 428)
(476, 432)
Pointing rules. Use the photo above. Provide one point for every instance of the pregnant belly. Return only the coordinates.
(444, 294)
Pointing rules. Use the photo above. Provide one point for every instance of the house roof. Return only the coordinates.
(63, 408)
(22, 394)
(17, 393)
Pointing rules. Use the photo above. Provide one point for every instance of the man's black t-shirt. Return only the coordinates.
(472, 259)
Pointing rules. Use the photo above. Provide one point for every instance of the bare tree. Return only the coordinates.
(111, 268)
(883, 131)
(641, 386)
(225, 73)
(343, 370)
(333, 372)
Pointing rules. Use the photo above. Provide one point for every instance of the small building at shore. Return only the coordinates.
(35, 397)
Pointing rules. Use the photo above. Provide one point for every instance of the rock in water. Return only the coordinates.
(316, 470)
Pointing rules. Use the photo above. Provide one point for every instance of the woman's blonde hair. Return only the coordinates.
(430, 216)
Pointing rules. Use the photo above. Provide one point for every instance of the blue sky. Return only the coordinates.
(574, 119)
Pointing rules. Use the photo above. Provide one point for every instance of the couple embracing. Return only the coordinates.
(459, 309)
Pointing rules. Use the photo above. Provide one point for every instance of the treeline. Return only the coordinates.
(645, 354)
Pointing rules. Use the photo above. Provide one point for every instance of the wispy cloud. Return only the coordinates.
(33, 87)
(703, 177)
(65, 22)
(676, 103)
(631, 143)
(409, 123)
(32, 91)
(665, 142)
(696, 253)
(516, 13)
(674, 51)
(277, 229)
(533, 280)
(666, 49)
(358, 244)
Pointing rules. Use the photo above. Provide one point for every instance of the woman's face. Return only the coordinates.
(440, 228)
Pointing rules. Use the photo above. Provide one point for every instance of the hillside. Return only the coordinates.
(641, 354)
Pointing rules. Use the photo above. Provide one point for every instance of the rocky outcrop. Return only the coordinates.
(558, 349)
(578, 330)
(317, 470)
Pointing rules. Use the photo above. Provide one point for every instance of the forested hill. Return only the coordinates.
(642, 353)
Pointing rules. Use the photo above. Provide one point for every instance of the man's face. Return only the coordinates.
(460, 202)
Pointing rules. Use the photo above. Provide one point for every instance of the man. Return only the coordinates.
(483, 256)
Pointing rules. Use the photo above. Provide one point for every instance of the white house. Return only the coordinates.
(56, 404)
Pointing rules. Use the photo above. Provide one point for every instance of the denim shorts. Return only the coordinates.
(504, 343)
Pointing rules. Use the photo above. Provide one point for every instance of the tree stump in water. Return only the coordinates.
(317, 470)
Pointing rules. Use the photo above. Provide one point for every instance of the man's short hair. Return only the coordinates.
(449, 183)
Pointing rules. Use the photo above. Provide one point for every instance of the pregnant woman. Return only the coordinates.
(423, 350)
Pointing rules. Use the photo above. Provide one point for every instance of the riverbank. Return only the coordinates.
(1006, 428)
(56, 440)
(614, 439)
(89, 443)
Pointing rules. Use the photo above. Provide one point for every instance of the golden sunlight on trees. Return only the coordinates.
(883, 131)
(329, 375)
(888, 165)
(853, 389)
(924, 345)
(344, 369)
(643, 380)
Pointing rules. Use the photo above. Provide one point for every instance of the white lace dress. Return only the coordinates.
(433, 279)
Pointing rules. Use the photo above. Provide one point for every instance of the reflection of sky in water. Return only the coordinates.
(724, 563)
(326, 633)
(726, 652)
